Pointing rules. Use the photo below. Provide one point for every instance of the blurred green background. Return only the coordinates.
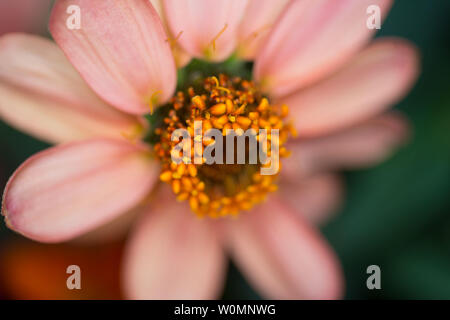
(396, 215)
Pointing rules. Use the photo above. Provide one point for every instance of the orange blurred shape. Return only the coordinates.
(31, 270)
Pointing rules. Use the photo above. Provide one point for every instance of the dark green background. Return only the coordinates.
(396, 215)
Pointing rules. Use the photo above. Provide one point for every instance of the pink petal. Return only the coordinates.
(282, 256)
(259, 18)
(23, 16)
(157, 5)
(43, 95)
(377, 78)
(121, 51)
(181, 57)
(114, 230)
(202, 22)
(361, 146)
(316, 198)
(70, 189)
(311, 40)
(173, 255)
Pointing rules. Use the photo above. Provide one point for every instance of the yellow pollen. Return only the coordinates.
(217, 190)
(154, 100)
(213, 41)
(216, 81)
(134, 133)
(166, 176)
(218, 109)
(173, 41)
(258, 32)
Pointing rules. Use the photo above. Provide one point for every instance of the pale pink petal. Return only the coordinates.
(208, 28)
(172, 254)
(377, 78)
(23, 16)
(182, 58)
(157, 5)
(361, 146)
(259, 18)
(311, 40)
(114, 230)
(316, 198)
(70, 189)
(43, 95)
(120, 50)
(282, 256)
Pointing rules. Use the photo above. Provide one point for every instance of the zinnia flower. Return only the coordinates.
(311, 58)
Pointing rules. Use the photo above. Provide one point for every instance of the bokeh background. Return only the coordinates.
(396, 215)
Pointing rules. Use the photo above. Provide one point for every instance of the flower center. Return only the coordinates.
(235, 167)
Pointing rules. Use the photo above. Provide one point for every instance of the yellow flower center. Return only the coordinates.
(231, 105)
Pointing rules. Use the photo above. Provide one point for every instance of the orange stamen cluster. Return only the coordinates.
(226, 103)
